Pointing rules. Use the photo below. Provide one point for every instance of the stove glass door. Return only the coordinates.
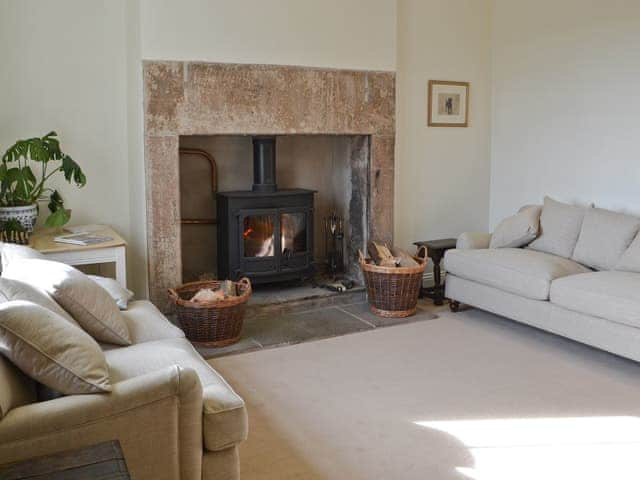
(293, 233)
(258, 236)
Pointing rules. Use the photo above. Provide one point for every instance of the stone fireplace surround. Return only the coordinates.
(191, 98)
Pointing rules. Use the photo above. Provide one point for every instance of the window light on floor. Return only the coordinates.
(564, 448)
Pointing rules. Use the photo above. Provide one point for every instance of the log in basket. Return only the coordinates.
(211, 324)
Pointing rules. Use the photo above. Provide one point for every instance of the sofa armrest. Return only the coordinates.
(473, 240)
(157, 418)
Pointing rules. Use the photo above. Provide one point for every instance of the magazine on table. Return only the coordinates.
(83, 239)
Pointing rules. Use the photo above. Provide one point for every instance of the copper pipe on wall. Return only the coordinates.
(214, 184)
(198, 221)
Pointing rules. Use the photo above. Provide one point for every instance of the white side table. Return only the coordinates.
(113, 251)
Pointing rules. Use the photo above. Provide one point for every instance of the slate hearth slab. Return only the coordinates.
(300, 327)
(288, 329)
(363, 311)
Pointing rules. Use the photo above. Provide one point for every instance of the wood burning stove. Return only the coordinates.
(266, 233)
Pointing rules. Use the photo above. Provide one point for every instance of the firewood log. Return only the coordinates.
(381, 255)
(406, 260)
(206, 295)
(228, 288)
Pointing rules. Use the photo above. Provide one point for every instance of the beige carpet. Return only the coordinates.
(464, 396)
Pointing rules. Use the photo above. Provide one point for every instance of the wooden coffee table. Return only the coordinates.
(435, 251)
(103, 461)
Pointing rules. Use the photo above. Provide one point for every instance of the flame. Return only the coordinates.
(247, 232)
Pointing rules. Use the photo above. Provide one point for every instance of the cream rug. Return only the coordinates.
(467, 395)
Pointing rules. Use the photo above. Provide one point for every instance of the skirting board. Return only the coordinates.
(427, 277)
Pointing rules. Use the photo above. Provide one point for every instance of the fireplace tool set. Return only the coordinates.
(334, 243)
(334, 248)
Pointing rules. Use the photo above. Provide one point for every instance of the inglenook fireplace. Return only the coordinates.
(265, 234)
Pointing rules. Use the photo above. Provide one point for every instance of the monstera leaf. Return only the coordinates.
(16, 184)
(59, 215)
(37, 149)
(72, 171)
(58, 219)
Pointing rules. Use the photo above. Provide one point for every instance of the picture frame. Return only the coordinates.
(448, 104)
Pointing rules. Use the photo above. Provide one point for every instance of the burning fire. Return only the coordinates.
(259, 238)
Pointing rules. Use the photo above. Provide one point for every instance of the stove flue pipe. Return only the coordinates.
(264, 164)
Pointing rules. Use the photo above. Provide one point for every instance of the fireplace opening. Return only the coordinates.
(274, 197)
(266, 233)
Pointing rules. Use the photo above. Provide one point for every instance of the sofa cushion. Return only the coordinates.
(11, 251)
(610, 295)
(50, 350)
(146, 323)
(225, 417)
(517, 230)
(120, 295)
(630, 259)
(560, 226)
(88, 303)
(17, 290)
(604, 237)
(524, 272)
(473, 240)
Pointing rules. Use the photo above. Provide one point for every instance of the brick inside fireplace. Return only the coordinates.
(184, 99)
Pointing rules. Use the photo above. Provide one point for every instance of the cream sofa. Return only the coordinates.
(174, 415)
(592, 297)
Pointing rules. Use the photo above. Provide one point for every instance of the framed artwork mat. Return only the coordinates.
(448, 104)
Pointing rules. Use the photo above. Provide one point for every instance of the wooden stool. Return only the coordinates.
(435, 251)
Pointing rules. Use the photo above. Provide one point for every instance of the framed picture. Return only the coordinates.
(448, 104)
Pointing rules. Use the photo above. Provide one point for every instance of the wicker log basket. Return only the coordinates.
(212, 324)
(393, 291)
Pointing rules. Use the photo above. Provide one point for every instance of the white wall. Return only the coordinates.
(442, 173)
(357, 34)
(137, 240)
(566, 103)
(64, 69)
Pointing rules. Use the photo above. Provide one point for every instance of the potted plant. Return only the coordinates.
(21, 189)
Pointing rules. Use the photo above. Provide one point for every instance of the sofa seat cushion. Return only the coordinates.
(146, 323)
(528, 273)
(224, 413)
(609, 295)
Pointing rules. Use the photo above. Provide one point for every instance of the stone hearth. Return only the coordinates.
(184, 98)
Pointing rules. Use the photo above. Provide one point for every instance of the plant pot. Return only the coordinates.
(27, 216)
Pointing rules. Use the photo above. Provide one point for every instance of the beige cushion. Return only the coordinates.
(524, 272)
(50, 350)
(610, 295)
(146, 323)
(560, 226)
(11, 251)
(472, 240)
(604, 237)
(116, 291)
(88, 303)
(17, 290)
(630, 259)
(517, 230)
(225, 417)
